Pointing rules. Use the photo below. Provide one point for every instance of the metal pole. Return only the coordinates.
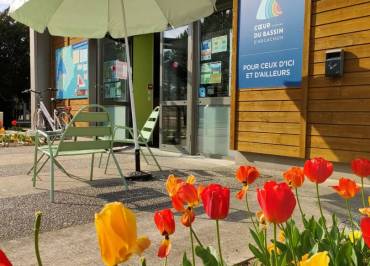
(131, 89)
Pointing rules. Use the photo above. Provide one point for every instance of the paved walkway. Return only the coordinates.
(68, 234)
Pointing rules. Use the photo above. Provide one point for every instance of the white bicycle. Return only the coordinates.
(42, 119)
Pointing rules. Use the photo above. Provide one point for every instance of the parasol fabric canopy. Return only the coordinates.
(119, 18)
(96, 18)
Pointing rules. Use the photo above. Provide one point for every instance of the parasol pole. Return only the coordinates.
(138, 172)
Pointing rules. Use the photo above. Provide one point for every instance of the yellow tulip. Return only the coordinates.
(319, 259)
(271, 248)
(365, 211)
(282, 236)
(357, 235)
(116, 230)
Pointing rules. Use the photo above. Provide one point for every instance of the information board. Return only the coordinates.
(270, 43)
(71, 68)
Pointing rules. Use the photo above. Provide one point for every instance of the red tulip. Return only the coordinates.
(14, 123)
(361, 167)
(4, 261)
(165, 222)
(365, 229)
(216, 201)
(166, 226)
(318, 170)
(294, 177)
(347, 188)
(277, 202)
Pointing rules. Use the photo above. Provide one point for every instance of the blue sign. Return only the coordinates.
(71, 69)
(270, 43)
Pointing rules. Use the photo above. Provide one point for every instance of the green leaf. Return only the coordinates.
(259, 238)
(256, 253)
(205, 254)
(186, 261)
(143, 262)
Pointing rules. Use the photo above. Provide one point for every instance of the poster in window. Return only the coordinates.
(270, 44)
(211, 73)
(219, 44)
(71, 68)
(206, 50)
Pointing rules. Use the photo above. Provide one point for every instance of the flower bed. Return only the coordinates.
(318, 243)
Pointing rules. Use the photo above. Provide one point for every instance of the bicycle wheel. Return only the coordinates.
(39, 121)
(64, 118)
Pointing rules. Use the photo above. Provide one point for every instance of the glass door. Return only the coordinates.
(114, 87)
(213, 105)
(174, 126)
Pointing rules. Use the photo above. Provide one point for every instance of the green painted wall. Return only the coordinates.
(142, 76)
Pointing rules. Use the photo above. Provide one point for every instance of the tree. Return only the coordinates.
(14, 64)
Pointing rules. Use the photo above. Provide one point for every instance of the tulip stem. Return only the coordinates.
(246, 200)
(165, 261)
(362, 192)
(192, 245)
(37, 231)
(196, 237)
(219, 243)
(275, 248)
(351, 218)
(322, 215)
(299, 204)
(290, 243)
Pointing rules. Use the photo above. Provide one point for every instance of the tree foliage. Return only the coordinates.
(14, 63)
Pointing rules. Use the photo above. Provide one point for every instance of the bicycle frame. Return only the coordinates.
(47, 116)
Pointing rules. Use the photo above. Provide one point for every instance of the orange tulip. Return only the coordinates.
(294, 177)
(188, 217)
(185, 196)
(188, 194)
(173, 184)
(347, 188)
(246, 175)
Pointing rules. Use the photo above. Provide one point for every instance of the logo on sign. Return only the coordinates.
(268, 9)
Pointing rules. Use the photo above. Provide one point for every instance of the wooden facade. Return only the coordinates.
(327, 117)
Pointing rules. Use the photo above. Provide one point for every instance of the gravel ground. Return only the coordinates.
(78, 205)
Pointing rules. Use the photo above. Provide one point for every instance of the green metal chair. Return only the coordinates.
(145, 136)
(71, 142)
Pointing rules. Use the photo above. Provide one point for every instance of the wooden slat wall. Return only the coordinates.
(59, 42)
(273, 121)
(270, 121)
(339, 109)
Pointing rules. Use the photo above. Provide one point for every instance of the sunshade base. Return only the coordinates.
(139, 176)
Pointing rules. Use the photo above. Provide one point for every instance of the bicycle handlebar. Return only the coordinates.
(30, 90)
(37, 92)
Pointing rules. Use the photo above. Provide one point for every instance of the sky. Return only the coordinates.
(4, 4)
